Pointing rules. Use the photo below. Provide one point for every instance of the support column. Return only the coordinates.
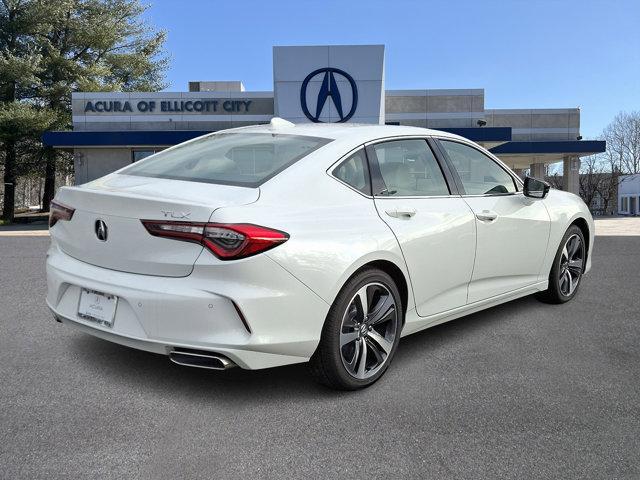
(571, 174)
(536, 170)
(519, 172)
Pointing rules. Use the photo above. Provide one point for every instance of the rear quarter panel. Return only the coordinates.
(333, 229)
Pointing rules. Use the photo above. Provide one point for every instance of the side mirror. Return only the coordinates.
(535, 188)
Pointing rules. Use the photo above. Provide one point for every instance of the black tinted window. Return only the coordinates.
(353, 171)
(244, 159)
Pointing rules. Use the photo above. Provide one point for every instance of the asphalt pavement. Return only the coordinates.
(523, 390)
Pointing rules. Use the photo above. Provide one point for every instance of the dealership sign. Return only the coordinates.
(168, 106)
(329, 88)
(329, 83)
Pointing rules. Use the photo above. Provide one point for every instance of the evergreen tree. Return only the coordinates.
(50, 49)
(21, 22)
(95, 45)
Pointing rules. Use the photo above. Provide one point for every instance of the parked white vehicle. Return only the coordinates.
(277, 244)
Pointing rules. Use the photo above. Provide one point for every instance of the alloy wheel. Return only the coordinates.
(368, 330)
(571, 265)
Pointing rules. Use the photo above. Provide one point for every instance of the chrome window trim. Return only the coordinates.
(492, 195)
(517, 179)
(411, 197)
(397, 137)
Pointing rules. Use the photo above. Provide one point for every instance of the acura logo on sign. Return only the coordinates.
(101, 230)
(329, 88)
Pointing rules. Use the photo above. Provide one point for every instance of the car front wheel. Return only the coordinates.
(568, 267)
(361, 332)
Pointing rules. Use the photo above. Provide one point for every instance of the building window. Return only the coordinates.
(624, 204)
(137, 155)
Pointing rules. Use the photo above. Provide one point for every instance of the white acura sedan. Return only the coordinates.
(277, 244)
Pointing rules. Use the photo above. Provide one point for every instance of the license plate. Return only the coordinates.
(97, 307)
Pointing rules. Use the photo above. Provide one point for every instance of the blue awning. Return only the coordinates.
(577, 147)
(165, 138)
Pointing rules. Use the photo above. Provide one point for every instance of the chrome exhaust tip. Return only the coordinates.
(200, 359)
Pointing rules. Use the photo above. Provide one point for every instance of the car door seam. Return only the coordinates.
(546, 253)
(475, 249)
(404, 258)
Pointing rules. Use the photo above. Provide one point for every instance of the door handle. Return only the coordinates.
(401, 212)
(487, 216)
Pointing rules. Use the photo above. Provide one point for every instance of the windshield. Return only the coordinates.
(243, 159)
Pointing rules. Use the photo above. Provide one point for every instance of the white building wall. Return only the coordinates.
(535, 124)
(441, 108)
(629, 194)
(92, 163)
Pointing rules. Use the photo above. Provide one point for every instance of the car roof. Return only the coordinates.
(353, 132)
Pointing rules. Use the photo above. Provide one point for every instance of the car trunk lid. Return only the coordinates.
(119, 203)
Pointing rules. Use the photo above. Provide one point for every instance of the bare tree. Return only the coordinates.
(592, 178)
(623, 142)
(553, 177)
(609, 191)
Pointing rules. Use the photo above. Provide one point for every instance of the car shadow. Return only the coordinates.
(142, 370)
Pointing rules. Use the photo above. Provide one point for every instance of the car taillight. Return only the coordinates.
(59, 211)
(227, 241)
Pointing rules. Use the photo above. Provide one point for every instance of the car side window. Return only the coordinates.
(354, 172)
(480, 174)
(409, 168)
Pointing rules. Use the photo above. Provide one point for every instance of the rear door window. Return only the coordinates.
(409, 168)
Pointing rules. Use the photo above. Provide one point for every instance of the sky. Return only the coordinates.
(525, 54)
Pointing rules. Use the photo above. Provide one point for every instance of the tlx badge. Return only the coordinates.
(181, 215)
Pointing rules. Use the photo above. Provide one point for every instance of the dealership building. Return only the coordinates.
(629, 194)
(315, 84)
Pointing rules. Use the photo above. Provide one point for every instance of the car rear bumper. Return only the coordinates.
(252, 311)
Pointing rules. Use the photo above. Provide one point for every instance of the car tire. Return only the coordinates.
(358, 342)
(567, 269)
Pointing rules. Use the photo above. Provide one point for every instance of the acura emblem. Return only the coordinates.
(329, 88)
(101, 230)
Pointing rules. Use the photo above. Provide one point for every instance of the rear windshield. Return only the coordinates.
(243, 159)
